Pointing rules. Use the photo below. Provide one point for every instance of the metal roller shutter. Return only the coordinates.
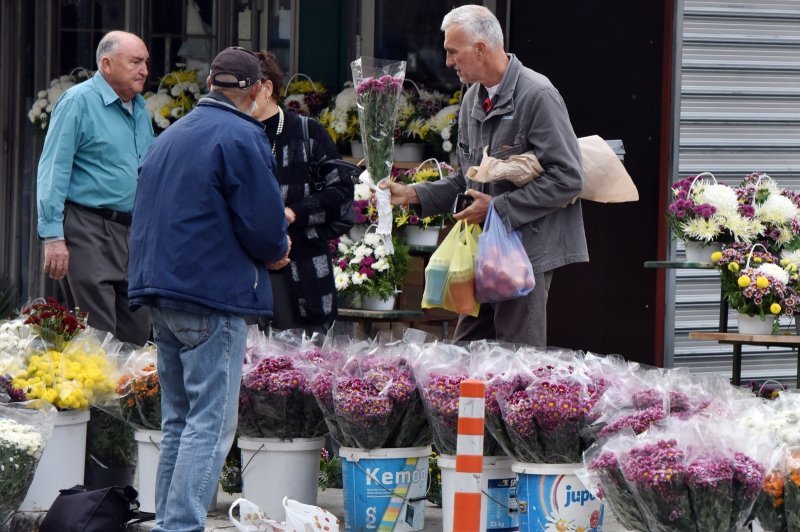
(739, 113)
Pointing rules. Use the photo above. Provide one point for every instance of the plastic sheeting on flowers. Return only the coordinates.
(375, 396)
(275, 398)
(24, 430)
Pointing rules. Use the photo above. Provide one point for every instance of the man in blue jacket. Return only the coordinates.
(208, 222)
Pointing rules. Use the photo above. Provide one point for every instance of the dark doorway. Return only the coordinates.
(607, 60)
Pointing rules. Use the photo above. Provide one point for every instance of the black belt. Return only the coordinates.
(123, 218)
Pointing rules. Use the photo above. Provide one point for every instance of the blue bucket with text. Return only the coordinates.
(552, 497)
(385, 489)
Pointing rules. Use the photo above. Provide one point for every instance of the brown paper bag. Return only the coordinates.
(605, 178)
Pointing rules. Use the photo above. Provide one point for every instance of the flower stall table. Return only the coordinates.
(738, 340)
(677, 264)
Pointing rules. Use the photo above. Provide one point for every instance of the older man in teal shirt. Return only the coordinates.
(99, 133)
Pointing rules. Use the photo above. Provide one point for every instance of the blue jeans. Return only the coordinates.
(200, 368)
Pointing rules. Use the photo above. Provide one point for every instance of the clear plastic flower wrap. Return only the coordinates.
(139, 390)
(275, 398)
(546, 419)
(24, 430)
(603, 476)
(439, 371)
(82, 371)
(637, 400)
(792, 489)
(376, 400)
(504, 373)
(696, 474)
(322, 375)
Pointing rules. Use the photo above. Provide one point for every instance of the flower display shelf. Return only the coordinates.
(738, 340)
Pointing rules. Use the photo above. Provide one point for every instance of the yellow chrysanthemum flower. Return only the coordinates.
(743, 281)
(762, 282)
(734, 267)
(775, 308)
(716, 256)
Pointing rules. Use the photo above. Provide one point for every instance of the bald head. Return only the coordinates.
(122, 60)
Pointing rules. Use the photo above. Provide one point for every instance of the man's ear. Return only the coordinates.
(105, 64)
(208, 82)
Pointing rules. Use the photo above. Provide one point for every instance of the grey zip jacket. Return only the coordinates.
(529, 114)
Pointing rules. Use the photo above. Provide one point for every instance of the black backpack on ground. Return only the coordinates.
(78, 509)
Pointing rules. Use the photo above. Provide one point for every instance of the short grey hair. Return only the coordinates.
(477, 22)
(108, 46)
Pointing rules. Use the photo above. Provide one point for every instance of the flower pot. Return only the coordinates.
(754, 324)
(356, 149)
(701, 251)
(376, 303)
(292, 467)
(498, 493)
(149, 446)
(422, 236)
(546, 490)
(349, 300)
(408, 152)
(62, 462)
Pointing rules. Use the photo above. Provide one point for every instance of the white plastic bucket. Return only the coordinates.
(148, 444)
(550, 495)
(273, 469)
(498, 488)
(62, 462)
(385, 489)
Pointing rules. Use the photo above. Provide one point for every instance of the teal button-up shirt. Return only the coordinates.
(91, 154)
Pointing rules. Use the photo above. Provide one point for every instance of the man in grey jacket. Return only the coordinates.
(509, 109)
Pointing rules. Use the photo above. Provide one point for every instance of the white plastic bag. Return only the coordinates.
(299, 517)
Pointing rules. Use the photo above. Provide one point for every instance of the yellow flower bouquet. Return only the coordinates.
(71, 379)
(177, 94)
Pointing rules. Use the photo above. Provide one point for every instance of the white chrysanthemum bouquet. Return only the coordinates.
(46, 99)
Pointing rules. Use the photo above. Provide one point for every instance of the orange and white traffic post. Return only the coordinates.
(469, 457)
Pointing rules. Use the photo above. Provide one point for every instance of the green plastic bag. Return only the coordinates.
(450, 273)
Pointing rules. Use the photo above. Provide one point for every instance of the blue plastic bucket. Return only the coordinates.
(499, 511)
(384, 489)
(551, 497)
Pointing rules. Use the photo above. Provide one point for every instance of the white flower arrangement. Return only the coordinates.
(341, 119)
(42, 108)
(14, 339)
(21, 447)
(366, 266)
(443, 128)
(177, 94)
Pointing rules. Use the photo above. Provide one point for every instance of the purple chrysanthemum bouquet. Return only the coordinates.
(378, 84)
(439, 370)
(275, 398)
(504, 374)
(376, 400)
(637, 400)
(602, 474)
(323, 377)
(546, 419)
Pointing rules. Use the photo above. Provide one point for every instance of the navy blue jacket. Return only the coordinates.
(208, 214)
